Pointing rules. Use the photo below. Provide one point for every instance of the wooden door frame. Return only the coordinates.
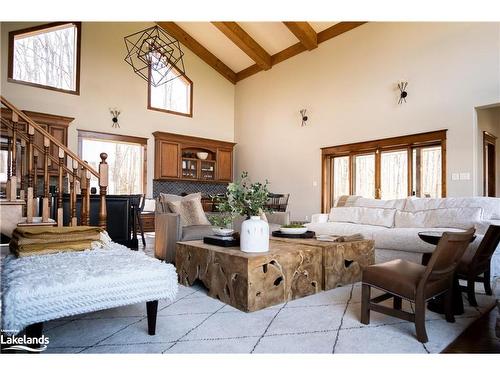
(488, 139)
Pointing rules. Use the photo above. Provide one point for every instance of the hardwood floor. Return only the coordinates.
(479, 337)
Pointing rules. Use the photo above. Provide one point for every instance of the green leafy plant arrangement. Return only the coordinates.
(243, 197)
(293, 226)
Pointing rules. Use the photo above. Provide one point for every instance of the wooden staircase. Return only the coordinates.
(20, 193)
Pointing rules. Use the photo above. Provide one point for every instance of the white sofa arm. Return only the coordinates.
(319, 218)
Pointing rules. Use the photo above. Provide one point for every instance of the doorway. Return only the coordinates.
(489, 164)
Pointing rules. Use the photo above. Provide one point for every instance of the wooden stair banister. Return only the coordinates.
(44, 133)
(22, 171)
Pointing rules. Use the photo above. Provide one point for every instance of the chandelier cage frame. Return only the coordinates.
(153, 54)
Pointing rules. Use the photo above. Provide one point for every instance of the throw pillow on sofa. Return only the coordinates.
(190, 210)
(461, 218)
(383, 217)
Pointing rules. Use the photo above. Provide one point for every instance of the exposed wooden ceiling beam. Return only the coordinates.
(245, 42)
(336, 30)
(304, 33)
(295, 49)
(178, 33)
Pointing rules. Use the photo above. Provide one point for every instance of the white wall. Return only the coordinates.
(108, 81)
(348, 86)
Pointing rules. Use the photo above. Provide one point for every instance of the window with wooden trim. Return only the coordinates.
(390, 168)
(126, 159)
(175, 96)
(46, 56)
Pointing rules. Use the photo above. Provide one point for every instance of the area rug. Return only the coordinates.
(327, 322)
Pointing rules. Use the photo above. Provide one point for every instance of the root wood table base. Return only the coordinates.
(291, 269)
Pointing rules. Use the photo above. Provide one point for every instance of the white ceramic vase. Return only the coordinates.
(254, 236)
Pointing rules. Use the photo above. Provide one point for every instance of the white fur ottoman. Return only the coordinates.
(37, 289)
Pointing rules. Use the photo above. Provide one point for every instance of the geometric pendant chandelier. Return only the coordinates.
(154, 55)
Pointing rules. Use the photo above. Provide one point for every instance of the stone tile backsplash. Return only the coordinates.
(188, 187)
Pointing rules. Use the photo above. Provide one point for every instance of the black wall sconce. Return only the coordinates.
(402, 91)
(303, 116)
(115, 113)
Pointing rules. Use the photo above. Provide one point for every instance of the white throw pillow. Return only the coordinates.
(383, 217)
(462, 218)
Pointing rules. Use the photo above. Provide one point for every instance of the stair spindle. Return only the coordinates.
(103, 185)
(35, 173)
(46, 203)
(22, 177)
(83, 194)
(87, 197)
(9, 158)
(30, 156)
(14, 144)
(60, 189)
(72, 197)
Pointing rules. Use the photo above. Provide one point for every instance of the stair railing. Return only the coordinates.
(23, 172)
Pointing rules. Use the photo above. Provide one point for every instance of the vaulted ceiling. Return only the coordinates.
(239, 50)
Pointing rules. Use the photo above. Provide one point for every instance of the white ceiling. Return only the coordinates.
(272, 36)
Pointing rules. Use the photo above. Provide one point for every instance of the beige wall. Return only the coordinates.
(488, 119)
(107, 81)
(348, 86)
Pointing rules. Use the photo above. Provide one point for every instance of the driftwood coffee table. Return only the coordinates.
(291, 269)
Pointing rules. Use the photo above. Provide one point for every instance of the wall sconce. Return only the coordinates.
(115, 113)
(402, 91)
(303, 116)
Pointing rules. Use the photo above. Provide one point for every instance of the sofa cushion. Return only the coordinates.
(196, 232)
(363, 215)
(345, 229)
(190, 211)
(163, 199)
(490, 206)
(398, 204)
(406, 239)
(463, 218)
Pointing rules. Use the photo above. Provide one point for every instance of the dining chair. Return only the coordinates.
(478, 262)
(401, 279)
(277, 202)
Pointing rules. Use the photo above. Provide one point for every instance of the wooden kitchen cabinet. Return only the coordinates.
(177, 157)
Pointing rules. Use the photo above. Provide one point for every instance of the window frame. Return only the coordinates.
(181, 76)
(10, 67)
(408, 142)
(101, 136)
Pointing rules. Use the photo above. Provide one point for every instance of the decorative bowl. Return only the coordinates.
(222, 231)
(293, 230)
(202, 155)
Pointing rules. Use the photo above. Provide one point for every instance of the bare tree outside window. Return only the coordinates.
(394, 174)
(125, 162)
(364, 182)
(47, 57)
(174, 96)
(340, 176)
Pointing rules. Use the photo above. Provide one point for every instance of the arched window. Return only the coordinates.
(175, 96)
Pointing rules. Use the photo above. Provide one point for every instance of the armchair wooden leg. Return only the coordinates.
(420, 320)
(471, 292)
(151, 308)
(448, 306)
(486, 282)
(365, 304)
(397, 303)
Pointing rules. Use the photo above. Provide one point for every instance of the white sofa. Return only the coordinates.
(394, 224)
